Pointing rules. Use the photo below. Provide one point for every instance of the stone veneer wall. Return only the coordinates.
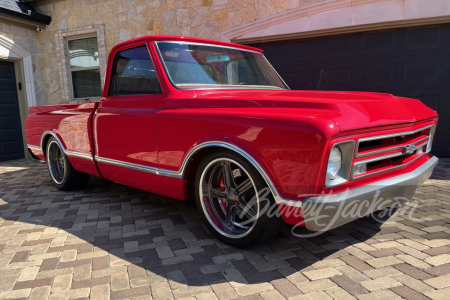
(28, 39)
(125, 19)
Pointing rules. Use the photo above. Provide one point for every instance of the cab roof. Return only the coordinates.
(186, 39)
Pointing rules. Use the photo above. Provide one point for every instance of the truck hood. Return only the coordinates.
(350, 110)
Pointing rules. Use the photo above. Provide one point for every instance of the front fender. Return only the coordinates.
(287, 147)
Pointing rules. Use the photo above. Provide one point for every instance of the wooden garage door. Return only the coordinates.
(409, 62)
(11, 143)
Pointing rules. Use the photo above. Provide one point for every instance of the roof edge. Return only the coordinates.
(187, 39)
(30, 16)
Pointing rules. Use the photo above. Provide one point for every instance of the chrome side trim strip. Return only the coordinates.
(378, 137)
(127, 165)
(182, 172)
(168, 173)
(79, 155)
(34, 147)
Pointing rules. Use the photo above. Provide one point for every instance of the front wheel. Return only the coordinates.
(234, 200)
(63, 175)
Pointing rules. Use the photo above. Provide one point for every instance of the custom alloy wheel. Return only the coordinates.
(229, 198)
(233, 198)
(56, 162)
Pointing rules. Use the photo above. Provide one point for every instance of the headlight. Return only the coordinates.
(334, 163)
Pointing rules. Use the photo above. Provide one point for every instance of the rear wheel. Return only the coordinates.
(63, 175)
(234, 200)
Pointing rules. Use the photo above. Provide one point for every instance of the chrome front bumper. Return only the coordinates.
(330, 211)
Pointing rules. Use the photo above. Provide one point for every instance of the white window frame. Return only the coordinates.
(65, 71)
(71, 88)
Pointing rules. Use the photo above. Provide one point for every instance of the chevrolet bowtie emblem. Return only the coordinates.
(409, 149)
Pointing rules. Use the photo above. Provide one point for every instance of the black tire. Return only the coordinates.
(62, 174)
(261, 223)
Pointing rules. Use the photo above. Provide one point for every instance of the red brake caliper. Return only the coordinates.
(223, 201)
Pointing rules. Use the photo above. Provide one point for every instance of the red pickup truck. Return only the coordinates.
(186, 117)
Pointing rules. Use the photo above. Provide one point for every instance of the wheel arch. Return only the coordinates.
(194, 157)
(44, 141)
(192, 167)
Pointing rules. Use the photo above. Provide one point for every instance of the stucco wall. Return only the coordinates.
(28, 39)
(125, 19)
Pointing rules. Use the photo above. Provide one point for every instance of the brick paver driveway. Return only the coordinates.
(110, 241)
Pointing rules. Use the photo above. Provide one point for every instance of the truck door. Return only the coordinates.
(125, 122)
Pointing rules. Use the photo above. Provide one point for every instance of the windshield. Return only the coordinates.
(194, 66)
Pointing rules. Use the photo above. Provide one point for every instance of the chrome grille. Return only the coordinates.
(391, 151)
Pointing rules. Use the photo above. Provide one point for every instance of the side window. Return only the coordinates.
(134, 74)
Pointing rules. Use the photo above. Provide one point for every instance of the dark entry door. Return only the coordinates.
(11, 143)
(410, 62)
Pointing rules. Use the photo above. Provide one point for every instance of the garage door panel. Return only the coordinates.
(7, 135)
(7, 111)
(300, 51)
(7, 98)
(8, 123)
(6, 72)
(421, 72)
(300, 80)
(377, 75)
(337, 78)
(409, 62)
(336, 46)
(424, 38)
(11, 142)
(441, 144)
(273, 51)
(382, 75)
(430, 73)
(11, 148)
(378, 42)
(370, 73)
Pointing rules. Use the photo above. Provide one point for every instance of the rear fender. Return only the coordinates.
(71, 126)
